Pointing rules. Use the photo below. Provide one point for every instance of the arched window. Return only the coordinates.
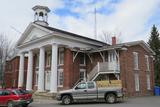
(41, 14)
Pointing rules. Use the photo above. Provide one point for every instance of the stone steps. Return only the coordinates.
(44, 95)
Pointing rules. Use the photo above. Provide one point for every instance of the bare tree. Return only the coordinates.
(107, 37)
(6, 47)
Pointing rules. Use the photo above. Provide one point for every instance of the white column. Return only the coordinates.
(21, 70)
(41, 70)
(53, 79)
(29, 71)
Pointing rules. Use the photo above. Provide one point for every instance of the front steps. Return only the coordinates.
(44, 95)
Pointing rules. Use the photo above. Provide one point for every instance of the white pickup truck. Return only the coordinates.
(90, 91)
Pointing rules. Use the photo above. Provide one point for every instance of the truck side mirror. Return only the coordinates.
(76, 88)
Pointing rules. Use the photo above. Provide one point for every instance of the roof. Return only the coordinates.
(41, 7)
(71, 34)
(125, 45)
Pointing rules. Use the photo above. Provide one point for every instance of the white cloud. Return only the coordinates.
(18, 14)
(129, 17)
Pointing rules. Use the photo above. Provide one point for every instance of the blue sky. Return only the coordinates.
(129, 19)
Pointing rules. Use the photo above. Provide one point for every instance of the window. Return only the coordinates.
(81, 86)
(90, 85)
(135, 60)
(82, 74)
(48, 62)
(148, 82)
(61, 56)
(111, 56)
(82, 59)
(60, 77)
(136, 82)
(147, 62)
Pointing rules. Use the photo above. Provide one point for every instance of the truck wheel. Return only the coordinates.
(110, 98)
(66, 100)
(10, 104)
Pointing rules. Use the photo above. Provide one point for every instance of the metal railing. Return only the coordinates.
(104, 67)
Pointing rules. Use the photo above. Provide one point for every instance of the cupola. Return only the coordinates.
(41, 15)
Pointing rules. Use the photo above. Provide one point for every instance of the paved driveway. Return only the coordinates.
(131, 102)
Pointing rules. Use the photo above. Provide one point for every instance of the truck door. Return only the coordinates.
(91, 91)
(80, 91)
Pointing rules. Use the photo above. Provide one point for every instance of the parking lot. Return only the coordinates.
(153, 101)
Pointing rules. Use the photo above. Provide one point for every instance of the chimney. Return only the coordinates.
(113, 40)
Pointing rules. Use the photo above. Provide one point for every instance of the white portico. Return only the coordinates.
(38, 39)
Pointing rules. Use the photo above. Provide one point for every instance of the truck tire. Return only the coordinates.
(66, 100)
(110, 98)
(10, 104)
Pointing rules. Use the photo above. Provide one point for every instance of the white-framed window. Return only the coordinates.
(82, 74)
(148, 82)
(135, 60)
(48, 59)
(60, 77)
(61, 56)
(111, 56)
(36, 80)
(136, 77)
(82, 59)
(147, 62)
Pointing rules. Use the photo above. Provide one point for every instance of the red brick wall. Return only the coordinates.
(72, 69)
(127, 71)
(68, 69)
(11, 75)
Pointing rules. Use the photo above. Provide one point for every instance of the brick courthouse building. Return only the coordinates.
(51, 59)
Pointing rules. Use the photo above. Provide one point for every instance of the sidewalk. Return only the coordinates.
(45, 101)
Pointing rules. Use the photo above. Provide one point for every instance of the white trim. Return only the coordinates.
(27, 31)
(137, 82)
(102, 56)
(147, 63)
(75, 55)
(135, 61)
(90, 58)
(148, 81)
(60, 71)
(61, 49)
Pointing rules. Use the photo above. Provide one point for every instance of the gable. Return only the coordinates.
(34, 34)
(31, 33)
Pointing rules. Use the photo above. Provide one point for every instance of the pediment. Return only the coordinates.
(32, 33)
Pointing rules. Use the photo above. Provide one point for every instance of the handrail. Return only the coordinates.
(104, 67)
